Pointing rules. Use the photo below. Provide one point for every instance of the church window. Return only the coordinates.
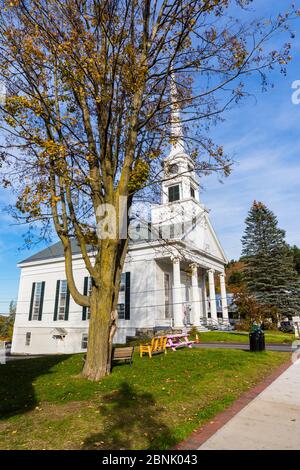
(192, 192)
(121, 311)
(28, 338)
(62, 301)
(36, 302)
(84, 341)
(87, 290)
(123, 280)
(174, 193)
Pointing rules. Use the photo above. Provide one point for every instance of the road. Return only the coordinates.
(269, 347)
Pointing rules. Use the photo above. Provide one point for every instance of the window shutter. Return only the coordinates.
(41, 301)
(127, 296)
(31, 301)
(67, 304)
(56, 300)
(85, 292)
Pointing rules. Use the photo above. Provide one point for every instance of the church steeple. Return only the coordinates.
(176, 131)
(180, 204)
(180, 180)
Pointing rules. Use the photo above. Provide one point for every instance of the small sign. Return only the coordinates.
(296, 319)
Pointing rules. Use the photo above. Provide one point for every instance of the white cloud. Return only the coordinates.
(267, 169)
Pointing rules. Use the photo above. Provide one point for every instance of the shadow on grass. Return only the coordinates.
(16, 383)
(131, 420)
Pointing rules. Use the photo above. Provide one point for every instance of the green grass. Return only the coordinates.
(154, 404)
(271, 337)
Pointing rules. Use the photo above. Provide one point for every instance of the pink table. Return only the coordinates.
(178, 341)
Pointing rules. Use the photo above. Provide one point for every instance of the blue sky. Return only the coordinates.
(263, 137)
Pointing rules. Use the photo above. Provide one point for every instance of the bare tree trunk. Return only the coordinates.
(97, 358)
(103, 317)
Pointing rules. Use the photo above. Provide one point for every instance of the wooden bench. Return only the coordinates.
(123, 354)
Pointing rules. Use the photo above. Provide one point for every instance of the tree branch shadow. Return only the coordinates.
(131, 420)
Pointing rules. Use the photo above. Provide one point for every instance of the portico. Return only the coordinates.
(200, 304)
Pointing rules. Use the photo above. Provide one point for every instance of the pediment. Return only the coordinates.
(202, 236)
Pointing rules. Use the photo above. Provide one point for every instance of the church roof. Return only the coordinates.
(57, 250)
(54, 251)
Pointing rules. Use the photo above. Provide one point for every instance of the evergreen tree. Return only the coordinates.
(235, 278)
(269, 271)
(296, 257)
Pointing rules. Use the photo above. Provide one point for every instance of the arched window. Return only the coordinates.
(173, 169)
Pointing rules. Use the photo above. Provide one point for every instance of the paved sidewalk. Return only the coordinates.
(271, 421)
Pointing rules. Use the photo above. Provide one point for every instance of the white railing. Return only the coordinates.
(219, 324)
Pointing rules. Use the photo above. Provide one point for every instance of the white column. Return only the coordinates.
(177, 295)
(196, 307)
(224, 298)
(212, 295)
(204, 303)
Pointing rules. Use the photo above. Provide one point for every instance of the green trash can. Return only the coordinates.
(257, 339)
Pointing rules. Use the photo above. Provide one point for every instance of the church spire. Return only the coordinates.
(180, 180)
(176, 131)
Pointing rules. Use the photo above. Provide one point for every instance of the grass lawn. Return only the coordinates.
(271, 337)
(154, 404)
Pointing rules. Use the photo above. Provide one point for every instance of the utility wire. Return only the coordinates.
(53, 299)
(132, 307)
(121, 291)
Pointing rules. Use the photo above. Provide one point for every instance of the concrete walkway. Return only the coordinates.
(271, 421)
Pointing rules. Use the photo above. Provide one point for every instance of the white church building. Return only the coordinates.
(169, 280)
